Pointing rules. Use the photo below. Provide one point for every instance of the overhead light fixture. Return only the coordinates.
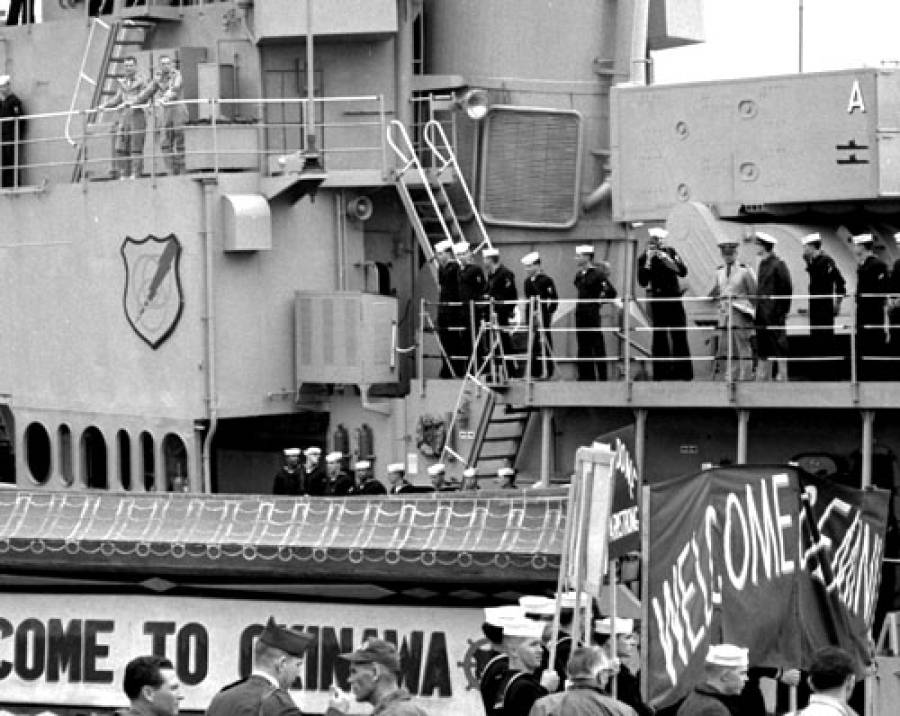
(474, 102)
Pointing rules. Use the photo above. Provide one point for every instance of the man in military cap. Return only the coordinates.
(827, 289)
(12, 131)
(152, 687)
(734, 288)
(314, 477)
(450, 318)
(506, 478)
(469, 480)
(366, 484)
(375, 679)
(398, 484)
(773, 302)
(658, 269)
(289, 479)
(501, 289)
(540, 287)
(439, 482)
(338, 482)
(277, 661)
(871, 278)
(592, 284)
(725, 673)
(472, 287)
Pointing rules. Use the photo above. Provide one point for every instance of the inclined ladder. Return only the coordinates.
(107, 46)
(422, 192)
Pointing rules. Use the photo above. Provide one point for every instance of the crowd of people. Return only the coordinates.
(531, 669)
(332, 479)
(750, 340)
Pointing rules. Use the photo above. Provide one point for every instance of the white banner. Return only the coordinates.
(72, 649)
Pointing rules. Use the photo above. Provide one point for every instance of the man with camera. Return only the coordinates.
(659, 268)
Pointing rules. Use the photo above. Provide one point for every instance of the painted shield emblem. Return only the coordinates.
(153, 298)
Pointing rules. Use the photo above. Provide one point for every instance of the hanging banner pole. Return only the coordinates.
(645, 593)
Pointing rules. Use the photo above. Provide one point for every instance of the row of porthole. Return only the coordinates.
(93, 456)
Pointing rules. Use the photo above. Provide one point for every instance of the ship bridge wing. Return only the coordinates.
(485, 539)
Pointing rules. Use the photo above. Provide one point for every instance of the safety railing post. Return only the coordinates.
(626, 330)
(16, 167)
(420, 341)
(729, 335)
(854, 347)
(382, 133)
(529, 353)
(214, 112)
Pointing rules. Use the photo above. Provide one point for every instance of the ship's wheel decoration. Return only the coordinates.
(153, 298)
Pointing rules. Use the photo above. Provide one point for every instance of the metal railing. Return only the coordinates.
(262, 135)
(709, 339)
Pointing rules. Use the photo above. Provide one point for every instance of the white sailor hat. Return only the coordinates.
(764, 238)
(811, 239)
(396, 467)
(623, 626)
(461, 248)
(531, 259)
(470, 472)
(584, 250)
(727, 241)
(657, 232)
(536, 604)
(861, 239)
(445, 245)
(310, 451)
(505, 472)
(523, 628)
(291, 452)
(569, 600)
(362, 465)
(897, 237)
(436, 469)
(498, 616)
(4, 79)
(490, 253)
(335, 456)
(728, 655)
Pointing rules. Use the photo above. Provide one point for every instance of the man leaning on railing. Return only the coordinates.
(133, 91)
(12, 128)
(171, 114)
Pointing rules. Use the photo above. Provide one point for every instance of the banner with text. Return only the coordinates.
(761, 557)
(72, 649)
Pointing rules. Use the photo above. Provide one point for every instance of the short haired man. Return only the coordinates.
(375, 679)
(832, 677)
(589, 670)
(289, 478)
(152, 687)
(725, 673)
(132, 90)
(172, 113)
(277, 661)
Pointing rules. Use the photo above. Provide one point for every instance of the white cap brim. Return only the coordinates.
(334, 457)
(584, 250)
(863, 239)
(362, 465)
(811, 239)
(524, 629)
(292, 452)
(657, 233)
(445, 245)
(623, 626)
(436, 469)
(531, 259)
(490, 253)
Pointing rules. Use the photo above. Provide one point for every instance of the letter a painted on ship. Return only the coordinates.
(153, 298)
(856, 99)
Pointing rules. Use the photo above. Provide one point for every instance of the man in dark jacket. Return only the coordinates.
(152, 687)
(398, 484)
(540, 287)
(826, 289)
(501, 290)
(773, 302)
(338, 482)
(289, 479)
(472, 287)
(725, 675)
(628, 685)
(593, 285)
(659, 268)
(588, 670)
(366, 484)
(277, 662)
(871, 278)
(12, 130)
(450, 319)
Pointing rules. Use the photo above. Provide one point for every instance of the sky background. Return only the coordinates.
(747, 38)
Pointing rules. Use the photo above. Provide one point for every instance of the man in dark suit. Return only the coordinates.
(451, 322)
(472, 287)
(152, 687)
(366, 484)
(289, 479)
(871, 285)
(338, 482)
(501, 289)
(277, 661)
(540, 286)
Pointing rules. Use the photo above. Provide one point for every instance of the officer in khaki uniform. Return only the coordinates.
(277, 661)
(734, 289)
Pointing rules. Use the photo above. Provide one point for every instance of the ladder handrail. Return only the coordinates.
(95, 22)
(448, 158)
(413, 161)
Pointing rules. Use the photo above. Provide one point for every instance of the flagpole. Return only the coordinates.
(613, 621)
(645, 593)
